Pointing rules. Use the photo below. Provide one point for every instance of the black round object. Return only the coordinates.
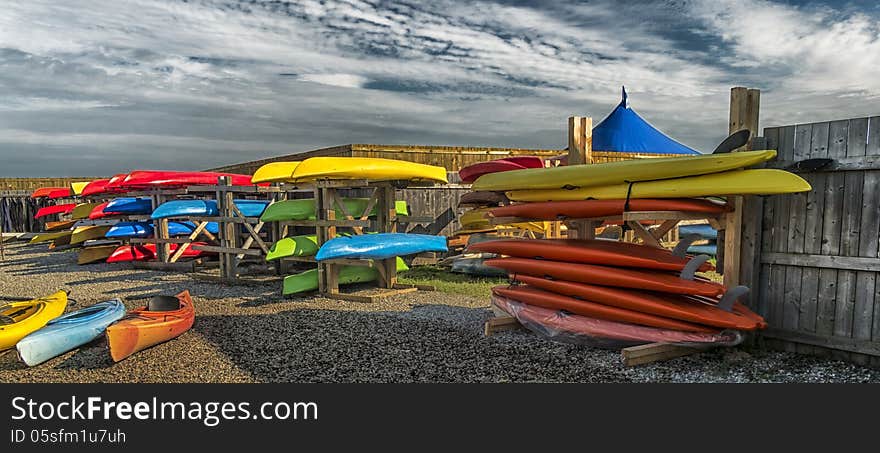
(163, 303)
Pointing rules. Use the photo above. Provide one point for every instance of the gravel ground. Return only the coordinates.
(252, 334)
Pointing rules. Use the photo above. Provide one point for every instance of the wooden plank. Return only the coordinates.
(654, 352)
(180, 250)
(765, 289)
(812, 291)
(869, 229)
(826, 341)
(838, 134)
(227, 250)
(642, 233)
(500, 324)
(845, 263)
(580, 140)
(793, 299)
(779, 241)
(254, 234)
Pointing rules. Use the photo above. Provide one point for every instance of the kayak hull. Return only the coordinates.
(380, 246)
(205, 208)
(470, 173)
(306, 245)
(29, 316)
(585, 209)
(274, 172)
(96, 254)
(55, 209)
(369, 168)
(304, 209)
(307, 281)
(142, 328)
(68, 332)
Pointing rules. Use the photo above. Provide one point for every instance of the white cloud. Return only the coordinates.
(336, 80)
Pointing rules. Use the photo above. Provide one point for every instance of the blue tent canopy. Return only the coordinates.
(625, 131)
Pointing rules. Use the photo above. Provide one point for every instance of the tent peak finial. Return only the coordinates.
(623, 97)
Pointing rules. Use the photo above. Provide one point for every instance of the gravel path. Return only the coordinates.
(251, 334)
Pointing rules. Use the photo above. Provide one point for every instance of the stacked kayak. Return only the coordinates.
(87, 233)
(95, 254)
(304, 209)
(163, 318)
(470, 173)
(307, 281)
(305, 245)
(274, 172)
(707, 237)
(148, 179)
(380, 246)
(146, 229)
(147, 252)
(205, 208)
(66, 208)
(129, 206)
(44, 192)
(82, 211)
(343, 168)
(616, 285)
(68, 332)
(19, 319)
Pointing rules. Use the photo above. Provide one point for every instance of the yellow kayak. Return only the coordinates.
(369, 168)
(475, 219)
(738, 182)
(274, 172)
(77, 187)
(46, 237)
(87, 233)
(18, 319)
(82, 210)
(591, 175)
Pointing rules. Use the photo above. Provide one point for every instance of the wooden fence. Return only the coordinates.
(813, 263)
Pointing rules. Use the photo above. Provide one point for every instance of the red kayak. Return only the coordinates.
(541, 298)
(55, 209)
(98, 212)
(60, 193)
(144, 179)
(147, 252)
(667, 305)
(45, 191)
(588, 251)
(470, 173)
(585, 209)
(596, 330)
(608, 276)
(96, 187)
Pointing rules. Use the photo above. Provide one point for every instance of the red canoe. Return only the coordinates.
(585, 209)
(45, 191)
(667, 305)
(596, 330)
(608, 276)
(98, 212)
(541, 298)
(144, 179)
(55, 209)
(470, 173)
(146, 252)
(588, 251)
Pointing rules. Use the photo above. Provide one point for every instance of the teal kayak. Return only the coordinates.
(380, 246)
(68, 332)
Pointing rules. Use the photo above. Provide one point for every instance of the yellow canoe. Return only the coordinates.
(22, 318)
(88, 233)
(577, 176)
(82, 210)
(77, 187)
(369, 168)
(737, 182)
(46, 237)
(274, 172)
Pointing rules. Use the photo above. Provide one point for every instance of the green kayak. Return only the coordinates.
(293, 246)
(304, 209)
(308, 280)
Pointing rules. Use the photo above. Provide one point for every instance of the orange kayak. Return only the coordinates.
(609, 276)
(162, 319)
(545, 299)
(666, 305)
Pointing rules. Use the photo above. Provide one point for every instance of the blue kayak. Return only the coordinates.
(127, 205)
(145, 229)
(704, 230)
(206, 208)
(380, 246)
(68, 332)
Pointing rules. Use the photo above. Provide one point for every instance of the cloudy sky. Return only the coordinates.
(97, 87)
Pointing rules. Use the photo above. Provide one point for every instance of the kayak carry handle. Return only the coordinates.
(680, 249)
(691, 268)
(731, 296)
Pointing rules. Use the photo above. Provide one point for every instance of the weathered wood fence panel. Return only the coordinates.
(815, 258)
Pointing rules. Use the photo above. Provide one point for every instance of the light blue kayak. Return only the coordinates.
(704, 230)
(708, 249)
(380, 246)
(70, 331)
(128, 205)
(206, 208)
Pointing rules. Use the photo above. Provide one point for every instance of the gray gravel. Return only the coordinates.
(252, 334)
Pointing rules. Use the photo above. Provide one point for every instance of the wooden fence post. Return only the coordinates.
(580, 140)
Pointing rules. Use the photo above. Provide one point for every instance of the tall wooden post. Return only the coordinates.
(580, 140)
(745, 105)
